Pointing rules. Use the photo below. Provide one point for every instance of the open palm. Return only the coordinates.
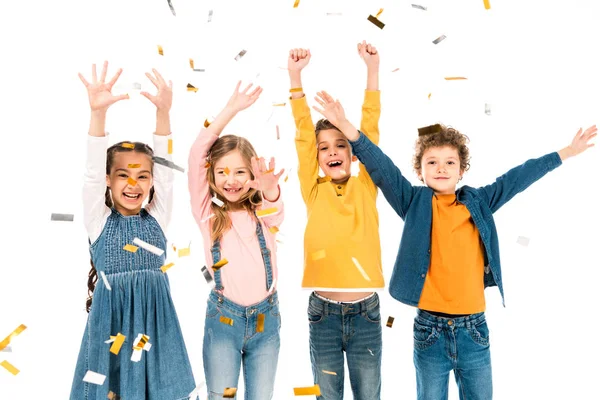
(99, 91)
(331, 109)
(240, 100)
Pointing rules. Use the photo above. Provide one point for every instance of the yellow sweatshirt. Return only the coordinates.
(341, 241)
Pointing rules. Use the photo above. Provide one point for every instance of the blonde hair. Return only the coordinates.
(249, 200)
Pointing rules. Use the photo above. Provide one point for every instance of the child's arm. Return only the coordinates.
(95, 211)
(396, 188)
(371, 109)
(306, 141)
(161, 206)
(197, 179)
(520, 178)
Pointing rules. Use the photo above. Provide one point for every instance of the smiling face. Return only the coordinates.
(333, 154)
(231, 172)
(128, 195)
(440, 169)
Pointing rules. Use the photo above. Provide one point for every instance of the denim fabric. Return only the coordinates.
(139, 302)
(414, 205)
(351, 328)
(231, 337)
(459, 344)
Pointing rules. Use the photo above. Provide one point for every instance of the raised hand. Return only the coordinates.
(580, 141)
(99, 92)
(164, 97)
(369, 54)
(265, 179)
(331, 109)
(298, 59)
(241, 100)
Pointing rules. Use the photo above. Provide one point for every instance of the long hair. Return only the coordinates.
(110, 155)
(249, 200)
(447, 136)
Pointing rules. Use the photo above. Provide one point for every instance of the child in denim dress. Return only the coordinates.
(449, 249)
(236, 202)
(133, 297)
(342, 254)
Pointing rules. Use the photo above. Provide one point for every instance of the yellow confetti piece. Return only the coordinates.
(170, 150)
(486, 4)
(165, 267)
(307, 391)
(274, 229)
(131, 181)
(116, 346)
(174, 248)
(191, 88)
(227, 171)
(184, 252)
(455, 78)
(9, 367)
(318, 255)
(134, 165)
(329, 372)
(260, 323)
(286, 178)
(323, 179)
(278, 104)
(207, 165)
(131, 248)
(296, 2)
(220, 264)
(225, 320)
(266, 212)
(12, 335)
(390, 322)
(128, 145)
(229, 393)
(379, 13)
(206, 123)
(191, 63)
(429, 96)
(160, 50)
(270, 171)
(141, 343)
(113, 396)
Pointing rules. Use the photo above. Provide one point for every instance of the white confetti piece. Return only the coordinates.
(94, 377)
(148, 246)
(272, 286)
(240, 55)
(210, 14)
(488, 109)
(7, 349)
(207, 218)
(105, 280)
(523, 241)
(196, 392)
(360, 269)
(218, 201)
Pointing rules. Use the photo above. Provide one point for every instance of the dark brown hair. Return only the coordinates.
(249, 201)
(447, 136)
(110, 155)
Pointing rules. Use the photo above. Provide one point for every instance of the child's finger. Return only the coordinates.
(237, 87)
(114, 78)
(85, 82)
(278, 175)
(94, 76)
(319, 110)
(255, 91)
(272, 163)
(247, 88)
(152, 79)
(263, 166)
(104, 70)
(327, 97)
(159, 77)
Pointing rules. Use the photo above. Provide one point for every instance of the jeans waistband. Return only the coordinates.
(344, 308)
(425, 318)
(243, 311)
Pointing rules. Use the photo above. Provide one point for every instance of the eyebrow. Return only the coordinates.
(450, 158)
(126, 170)
(234, 169)
(337, 140)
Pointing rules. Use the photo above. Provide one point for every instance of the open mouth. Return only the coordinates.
(232, 190)
(132, 197)
(334, 164)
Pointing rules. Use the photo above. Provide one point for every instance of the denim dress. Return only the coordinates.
(139, 302)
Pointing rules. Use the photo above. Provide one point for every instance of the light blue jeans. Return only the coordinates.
(226, 347)
(459, 344)
(354, 329)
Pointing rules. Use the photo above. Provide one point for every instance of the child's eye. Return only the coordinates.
(122, 175)
(323, 148)
(143, 177)
(220, 172)
(450, 162)
(431, 162)
(241, 172)
(343, 146)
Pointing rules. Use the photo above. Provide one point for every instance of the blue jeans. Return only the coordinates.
(226, 347)
(459, 344)
(351, 328)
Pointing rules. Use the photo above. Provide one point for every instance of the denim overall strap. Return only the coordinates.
(264, 250)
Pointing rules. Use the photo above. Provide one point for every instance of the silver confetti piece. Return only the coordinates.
(419, 7)
(210, 12)
(240, 55)
(171, 7)
(436, 41)
(209, 279)
(167, 163)
(137, 86)
(62, 217)
(488, 109)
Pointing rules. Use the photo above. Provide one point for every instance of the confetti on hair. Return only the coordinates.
(62, 217)
(227, 321)
(170, 147)
(318, 255)
(94, 378)
(439, 39)
(128, 145)
(429, 130)
(131, 248)
(455, 78)
(241, 54)
(191, 88)
(486, 4)
(360, 269)
(329, 372)
(134, 165)
(160, 50)
(117, 343)
(217, 201)
(131, 181)
(266, 212)
(229, 393)
(260, 323)
(105, 280)
(9, 367)
(220, 264)
(390, 322)
(148, 247)
(307, 391)
(166, 267)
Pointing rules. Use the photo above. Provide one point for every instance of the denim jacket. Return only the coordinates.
(414, 205)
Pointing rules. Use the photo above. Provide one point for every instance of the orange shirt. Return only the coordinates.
(454, 281)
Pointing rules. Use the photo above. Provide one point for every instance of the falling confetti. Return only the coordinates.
(240, 55)
(486, 4)
(431, 129)
(94, 377)
(210, 14)
(167, 163)
(260, 323)
(488, 109)
(419, 7)
(130, 248)
(225, 320)
(307, 391)
(9, 367)
(318, 255)
(375, 20)
(191, 88)
(390, 322)
(229, 393)
(160, 50)
(166, 267)
(148, 247)
(220, 264)
(523, 241)
(105, 280)
(171, 7)
(62, 217)
(117, 343)
(439, 39)
(266, 212)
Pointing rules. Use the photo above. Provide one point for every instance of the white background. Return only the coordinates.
(531, 61)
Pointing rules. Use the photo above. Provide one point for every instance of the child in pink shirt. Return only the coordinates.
(230, 190)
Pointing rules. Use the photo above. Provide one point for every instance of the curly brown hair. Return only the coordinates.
(445, 136)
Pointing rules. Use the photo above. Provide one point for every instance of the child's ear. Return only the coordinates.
(354, 158)
(107, 181)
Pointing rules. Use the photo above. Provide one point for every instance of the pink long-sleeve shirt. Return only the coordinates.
(244, 277)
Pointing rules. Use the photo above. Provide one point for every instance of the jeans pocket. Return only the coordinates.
(373, 314)
(480, 333)
(315, 315)
(212, 310)
(424, 336)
